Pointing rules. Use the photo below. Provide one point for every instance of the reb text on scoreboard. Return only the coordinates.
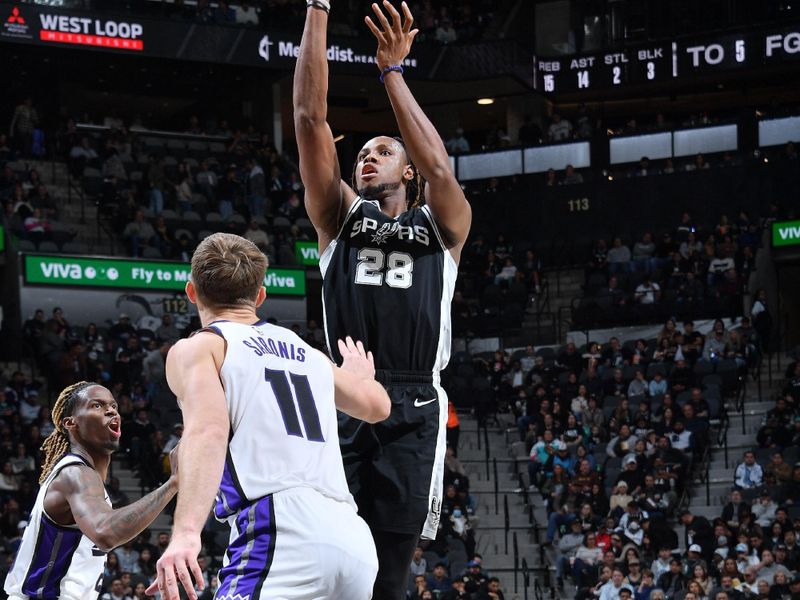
(667, 61)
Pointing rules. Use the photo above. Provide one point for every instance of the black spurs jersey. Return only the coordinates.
(389, 282)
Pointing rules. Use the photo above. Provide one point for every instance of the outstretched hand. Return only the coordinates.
(355, 359)
(395, 38)
(176, 567)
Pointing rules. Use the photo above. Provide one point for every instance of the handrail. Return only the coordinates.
(486, 447)
(569, 310)
(506, 523)
(544, 293)
(741, 392)
(497, 490)
(526, 578)
(538, 592)
(76, 185)
(722, 434)
(516, 562)
(143, 131)
(524, 490)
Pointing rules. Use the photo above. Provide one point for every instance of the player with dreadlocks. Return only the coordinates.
(389, 244)
(72, 524)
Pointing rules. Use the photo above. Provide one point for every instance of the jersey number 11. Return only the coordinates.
(279, 382)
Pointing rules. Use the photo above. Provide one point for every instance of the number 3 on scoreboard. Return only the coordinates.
(371, 262)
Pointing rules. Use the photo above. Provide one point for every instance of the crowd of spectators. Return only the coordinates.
(688, 271)
(613, 432)
(749, 550)
(161, 204)
(29, 210)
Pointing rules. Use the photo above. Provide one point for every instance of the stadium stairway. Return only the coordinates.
(711, 488)
(508, 518)
(506, 511)
(76, 212)
(543, 317)
(129, 483)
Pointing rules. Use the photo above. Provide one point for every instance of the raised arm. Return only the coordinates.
(108, 528)
(443, 194)
(327, 197)
(193, 376)
(356, 391)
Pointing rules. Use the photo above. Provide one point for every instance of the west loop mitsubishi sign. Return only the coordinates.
(85, 31)
(27, 24)
(137, 275)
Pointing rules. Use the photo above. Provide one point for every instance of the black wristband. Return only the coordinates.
(320, 4)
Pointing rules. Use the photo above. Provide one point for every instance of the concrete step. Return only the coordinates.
(740, 440)
(704, 510)
(753, 406)
(752, 420)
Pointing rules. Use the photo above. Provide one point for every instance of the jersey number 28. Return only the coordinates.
(398, 267)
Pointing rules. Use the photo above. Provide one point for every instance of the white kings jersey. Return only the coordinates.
(280, 397)
(55, 561)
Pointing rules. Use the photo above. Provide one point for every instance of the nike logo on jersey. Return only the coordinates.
(419, 403)
(97, 552)
(387, 230)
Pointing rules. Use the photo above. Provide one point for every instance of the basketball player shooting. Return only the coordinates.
(259, 406)
(72, 526)
(389, 239)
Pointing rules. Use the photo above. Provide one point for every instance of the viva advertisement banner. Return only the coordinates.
(307, 253)
(137, 275)
(134, 35)
(785, 233)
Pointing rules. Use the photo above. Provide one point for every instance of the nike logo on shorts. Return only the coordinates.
(417, 402)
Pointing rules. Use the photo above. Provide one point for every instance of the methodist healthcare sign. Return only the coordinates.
(137, 275)
(785, 233)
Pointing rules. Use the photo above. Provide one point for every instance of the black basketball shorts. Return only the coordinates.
(395, 469)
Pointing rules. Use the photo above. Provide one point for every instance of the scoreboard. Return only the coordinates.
(663, 62)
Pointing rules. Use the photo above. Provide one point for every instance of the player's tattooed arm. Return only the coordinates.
(443, 194)
(327, 197)
(108, 528)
